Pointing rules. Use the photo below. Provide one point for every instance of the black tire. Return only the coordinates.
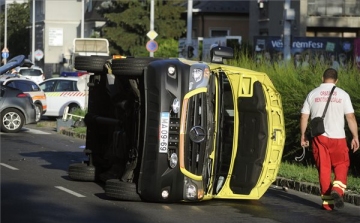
(118, 189)
(12, 120)
(92, 64)
(130, 67)
(38, 111)
(81, 172)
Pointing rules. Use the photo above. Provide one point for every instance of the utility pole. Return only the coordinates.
(289, 15)
(189, 26)
(33, 33)
(82, 17)
(5, 31)
(152, 16)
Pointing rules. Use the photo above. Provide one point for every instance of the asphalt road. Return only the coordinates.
(35, 188)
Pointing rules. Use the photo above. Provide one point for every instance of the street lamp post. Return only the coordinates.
(33, 33)
(152, 16)
(82, 18)
(289, 15)
(5, 31)
(189, 26)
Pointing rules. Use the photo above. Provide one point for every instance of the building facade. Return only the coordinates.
(312, 18)
(58, 22)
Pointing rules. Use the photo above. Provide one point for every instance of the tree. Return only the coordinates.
(128, 22)
(18, 21)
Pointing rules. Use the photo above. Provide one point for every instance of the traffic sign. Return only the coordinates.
(152, 34)
(38, 54)
(152, 46)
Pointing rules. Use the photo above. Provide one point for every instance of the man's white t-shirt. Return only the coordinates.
(340, 105)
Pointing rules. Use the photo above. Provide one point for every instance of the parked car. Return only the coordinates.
(62, 92)
(16, 107)
(30, 87)
(34, 73)
(170, 130)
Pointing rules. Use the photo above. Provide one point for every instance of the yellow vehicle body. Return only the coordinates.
(241, 81)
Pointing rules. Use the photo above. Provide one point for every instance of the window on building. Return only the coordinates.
(333, 8)
(218, 32)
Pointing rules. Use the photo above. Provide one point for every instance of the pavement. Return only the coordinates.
(285, 184)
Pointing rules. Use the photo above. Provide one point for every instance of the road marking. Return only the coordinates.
(31, 131)
(35, 131)
(8, 166)
(69, 191)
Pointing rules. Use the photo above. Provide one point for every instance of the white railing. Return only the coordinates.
(68, 115)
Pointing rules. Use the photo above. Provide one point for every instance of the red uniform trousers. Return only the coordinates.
(331, 154)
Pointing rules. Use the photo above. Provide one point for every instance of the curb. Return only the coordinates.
(72, 134)
(314, 189)
(63, 130)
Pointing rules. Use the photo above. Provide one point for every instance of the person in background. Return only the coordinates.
(280, 59)
(297, 60)
(334, 63)
(267, 59)
(306, 63)
(330, 149)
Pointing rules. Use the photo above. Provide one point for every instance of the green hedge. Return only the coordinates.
(294, 85)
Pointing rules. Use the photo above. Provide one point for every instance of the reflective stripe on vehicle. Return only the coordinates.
(67, 93)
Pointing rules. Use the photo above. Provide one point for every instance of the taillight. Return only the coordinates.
(81, 73)
(22, 95)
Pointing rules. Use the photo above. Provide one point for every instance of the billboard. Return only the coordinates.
(357, 52)
(317, 48)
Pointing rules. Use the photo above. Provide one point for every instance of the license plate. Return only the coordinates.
(164, 132)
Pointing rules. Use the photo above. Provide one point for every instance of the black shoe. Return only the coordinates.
(338, 200)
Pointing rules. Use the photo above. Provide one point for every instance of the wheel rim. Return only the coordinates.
(11, 121)
(38, 113)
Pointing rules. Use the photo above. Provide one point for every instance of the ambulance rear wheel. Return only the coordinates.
(92, 64)
(130, 67)
(81, 172)
(118, 189)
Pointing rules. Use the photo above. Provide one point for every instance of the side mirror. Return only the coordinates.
(219, 53)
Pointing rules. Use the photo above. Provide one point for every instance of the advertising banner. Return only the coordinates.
(314, 48)
(357, 52)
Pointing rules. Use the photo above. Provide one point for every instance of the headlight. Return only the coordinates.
(173, 160)
(190, 192)
(193, 190)
(171, 70)
(176, 105)
(165, 194)
(197, 74)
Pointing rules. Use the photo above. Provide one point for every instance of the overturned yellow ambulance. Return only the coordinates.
(169, 130)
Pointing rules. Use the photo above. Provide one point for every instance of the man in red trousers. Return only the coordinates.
(330, 149)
